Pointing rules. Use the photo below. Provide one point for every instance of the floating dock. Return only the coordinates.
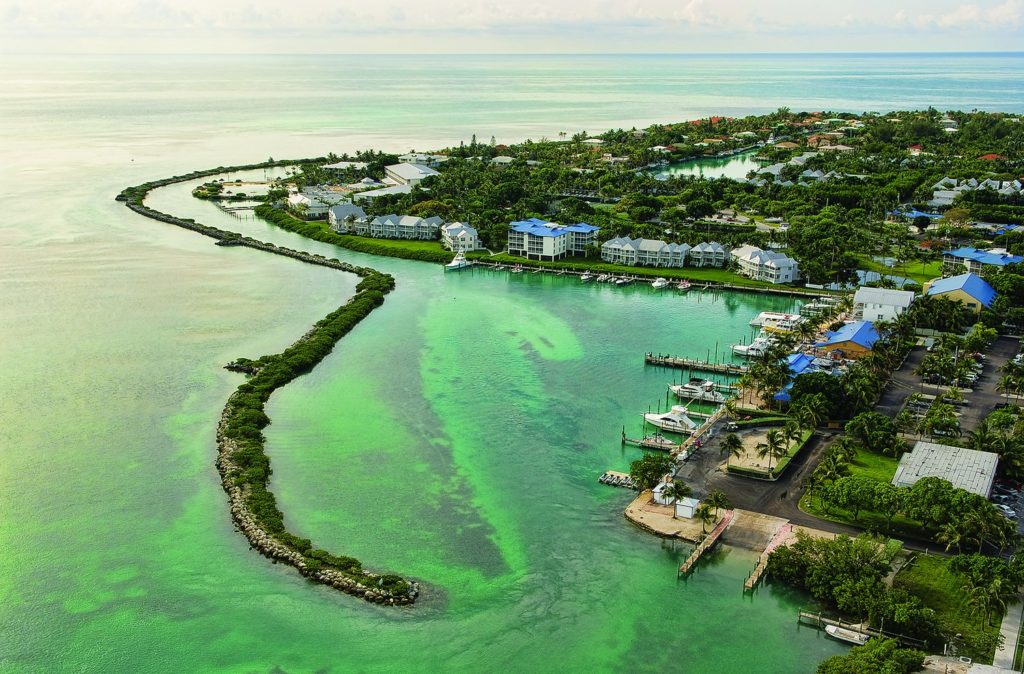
(706, 544)
(694, 364)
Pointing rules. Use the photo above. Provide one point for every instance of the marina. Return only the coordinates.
(694, 364)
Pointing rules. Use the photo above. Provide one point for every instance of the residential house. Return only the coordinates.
(853, 340)
(973, 260)
(400, 227)
(423, 159)
(708, 255)
(644, 252)
(881, 304)
(537, 239)
(409, 174)
(343, 216)
(969, 289)
(765, 265)
(460, 237)
(312, 203)
(340, 168)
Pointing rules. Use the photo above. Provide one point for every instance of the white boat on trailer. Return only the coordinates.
(701, 390)
(674, 421)
(849, 636)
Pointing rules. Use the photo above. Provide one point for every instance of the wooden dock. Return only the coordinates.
(706, 544)
(694, 364)
(665, 445)
(781, 536)
(820, 621)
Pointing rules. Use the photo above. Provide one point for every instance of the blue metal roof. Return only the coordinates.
(914, 213)
(862, 333)
(538, 227)
(972, 284)
(984, 257)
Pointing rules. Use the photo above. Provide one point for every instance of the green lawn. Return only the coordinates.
(875, 466)
(408, 244)
(919, 272)
(928, 578)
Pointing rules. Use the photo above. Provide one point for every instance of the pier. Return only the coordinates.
(656, 441)
(820, 621)
(694, 364)
(706, 544)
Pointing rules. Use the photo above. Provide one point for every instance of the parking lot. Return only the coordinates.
(1009, 495)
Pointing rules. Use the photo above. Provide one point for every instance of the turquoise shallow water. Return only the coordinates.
(455, 435)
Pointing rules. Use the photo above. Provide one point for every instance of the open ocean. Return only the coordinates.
(455, 436)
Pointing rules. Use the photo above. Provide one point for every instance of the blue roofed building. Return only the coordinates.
(853, 340)
(973, 260)
(799, 363)
(538, 239)
(970, 290)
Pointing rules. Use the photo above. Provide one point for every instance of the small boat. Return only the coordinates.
(703, 390)
(684, 285)
(517, 269)
(660, 283)
(673, 421)
(623, 281)
(457, 263)
(586, 278)
(849, 636)
(602, 278)
(755, 349)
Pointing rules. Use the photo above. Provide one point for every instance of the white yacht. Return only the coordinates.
(755, 349)
(774, 320)
(586, 277)
(703, 390)
(457, 263)
(660, 283)
(673, 421)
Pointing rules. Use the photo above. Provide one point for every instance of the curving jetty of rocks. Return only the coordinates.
(367, 585)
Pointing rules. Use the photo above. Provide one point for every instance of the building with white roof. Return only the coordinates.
(421, 158)
(881, 304)
(765, 265)
(409, 174)
(966, 469)
(370, 195)
(341, 167)
(644, 252)
(312, 203)
(458, 236)
(708, 255)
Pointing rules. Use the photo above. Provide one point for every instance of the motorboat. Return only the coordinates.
(755, 349)
(517, 269)
(774, 320)
(586, 278)
(673, 421)
(684, 285)
(457, 263)
(622, 281)
(703, 390)
(602, 278)
(849, 636)
(660, 283)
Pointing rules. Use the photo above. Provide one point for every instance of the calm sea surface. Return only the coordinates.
(454, 436)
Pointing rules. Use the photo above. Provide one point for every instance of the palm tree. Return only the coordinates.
(982, 437)
(791, 432)
(771, 447)
(705, 515)
(843, 449)
(717, 499)
(676, 491)
(733, 445)
(950, 534)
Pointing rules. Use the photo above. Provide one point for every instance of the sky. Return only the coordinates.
(507, 26)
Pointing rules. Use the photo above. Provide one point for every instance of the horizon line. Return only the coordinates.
(527, 54)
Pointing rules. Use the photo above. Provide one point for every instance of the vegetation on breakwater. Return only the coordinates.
(242, 460)
(319, 231)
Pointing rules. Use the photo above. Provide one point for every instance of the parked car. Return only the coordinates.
(1007, 511)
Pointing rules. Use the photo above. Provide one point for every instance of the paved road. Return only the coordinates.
(1010, 631)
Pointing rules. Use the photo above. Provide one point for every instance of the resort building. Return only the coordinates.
(945, 192)
(423, 159)
(341, 167)
(536, 239)
(342, 216)
(312, 203)
(966, 469)
(409, 174)
(400, 227)
(970, 290)
(973, 260)
(881, 304)
(853, 340)
(370, 195)
(708, 255)
(765, 265)
(459, 236)
(644, 252)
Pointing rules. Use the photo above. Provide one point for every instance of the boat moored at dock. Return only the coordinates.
(675, 420)
(702, 390)
(774, 320)
(586, 277)
(847, 635)
(660, 283)
(457, 263)
(755, 349)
